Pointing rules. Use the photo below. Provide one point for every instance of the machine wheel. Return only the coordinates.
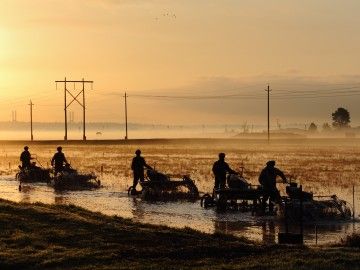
(209, 201)
(131, 191)
(206, 200)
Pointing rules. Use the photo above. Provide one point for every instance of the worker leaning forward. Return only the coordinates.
(137, 166)
(220, 168)
(267, 180)
(59, 160)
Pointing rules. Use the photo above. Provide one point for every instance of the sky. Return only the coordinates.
(204, 48)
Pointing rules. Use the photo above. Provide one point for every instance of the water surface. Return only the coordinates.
(113, 200)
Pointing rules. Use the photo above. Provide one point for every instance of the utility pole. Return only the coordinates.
(74, 98)
(268, 112)
(126, 122)
(84, 108)
(65, 111)
(31, 120)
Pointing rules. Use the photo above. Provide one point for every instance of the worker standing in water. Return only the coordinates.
(25, 158)
(137, 166)
(59, 160)
(267, 180)
(220, 168)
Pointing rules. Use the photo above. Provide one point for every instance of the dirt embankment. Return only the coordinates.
(39, 236)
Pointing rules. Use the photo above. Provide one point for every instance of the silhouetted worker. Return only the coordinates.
(59, 160)
(25, 158)
(137, 165)
(220, 168)
(267, 180)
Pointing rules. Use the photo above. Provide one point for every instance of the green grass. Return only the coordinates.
(40, 236)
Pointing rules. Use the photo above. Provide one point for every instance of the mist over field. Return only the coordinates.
(157, 134)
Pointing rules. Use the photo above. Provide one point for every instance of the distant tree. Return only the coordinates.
(326, 127)
(312, 127)
(341, 118)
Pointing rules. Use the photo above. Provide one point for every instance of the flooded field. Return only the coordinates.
(324, 167)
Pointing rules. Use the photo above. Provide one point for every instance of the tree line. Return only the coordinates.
(340, 120)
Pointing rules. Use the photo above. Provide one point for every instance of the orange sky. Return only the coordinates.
(196, 47)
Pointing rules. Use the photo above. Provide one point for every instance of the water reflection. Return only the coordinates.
(137, 209)
(25, 194)
(112, 200)
(268, 232)
(60, 199)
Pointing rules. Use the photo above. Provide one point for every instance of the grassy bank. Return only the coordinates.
(39, 236)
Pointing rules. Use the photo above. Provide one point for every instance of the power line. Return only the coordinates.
(254, 96)
(318, 96)
(318, 90)
(278, 92)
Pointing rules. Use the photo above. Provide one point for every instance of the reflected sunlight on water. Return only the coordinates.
(175, 214)
(319, 170)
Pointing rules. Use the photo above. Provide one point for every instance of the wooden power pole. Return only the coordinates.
(126, 121)
(31, 120)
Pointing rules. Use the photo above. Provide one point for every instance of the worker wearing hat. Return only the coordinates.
(59, 160)
(220, 168)
(137, 166)
(25, 158)
(267, 180)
